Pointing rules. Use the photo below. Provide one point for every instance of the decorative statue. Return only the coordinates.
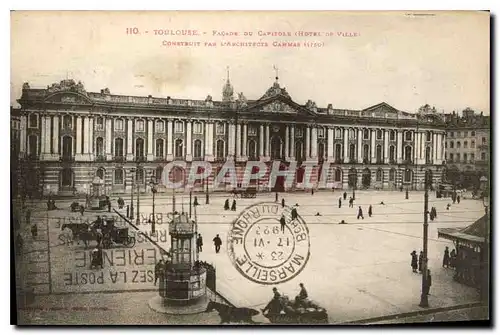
(26, 86)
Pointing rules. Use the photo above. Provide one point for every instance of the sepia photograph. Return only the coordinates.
(250, 167)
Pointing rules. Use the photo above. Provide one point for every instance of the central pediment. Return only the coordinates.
(279, 105)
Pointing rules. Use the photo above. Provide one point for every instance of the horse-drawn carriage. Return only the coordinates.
(298, 312)
(250, 192)
(113, 234)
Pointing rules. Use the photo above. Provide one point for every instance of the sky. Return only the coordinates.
(406, 59)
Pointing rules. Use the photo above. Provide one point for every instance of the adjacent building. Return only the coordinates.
(68, 136)
(468, 147)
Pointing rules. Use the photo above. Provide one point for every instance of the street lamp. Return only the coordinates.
(153, 184)
(424, 301)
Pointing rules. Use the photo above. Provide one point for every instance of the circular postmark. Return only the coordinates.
(262, 250)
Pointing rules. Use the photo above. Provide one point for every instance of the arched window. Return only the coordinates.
(352, 152)
(408, 175)
(458, 145)
(118, 177)
(99, 146)
(159, 148)
(160, 126)
(338, 175)
(252, 150)
(159, 174)
(338, 133)
(427, 155)
(179, 148)
(465, 144)
(379, 154)
(139, 175)
(100, 173)
(66, 177)
(338, 151)
(33, 145)
(379, 134)
(392, 174)
(392, 135)
(67, 147)
(408, 153)
(118, 147)
(219, 152)
(408, 135)
(321, 150)
(197, 149)
(352, 134)
(276, 147)
(299, 153)
(139, 147)
(366, 152)
(392, 154)
(380, 175)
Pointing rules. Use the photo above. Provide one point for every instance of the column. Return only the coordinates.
(43, 135)
(23, 135)
(268, 143)
(245, 140)
(91, 138)
(287, 143)
(434, 148)
(231, 140)
(189, 142)
(207, 141)
(308, 143)
(109, 140)
(211, 140)
(373, 148)
(416, 147)
(314, 143)
(55, 137)
(330, 156)
(238, 141)
(86, 134)
(439, 149)
(170, 141)
(78, 152)
(386, 146)
(346, 146)
(422, 146)
(359, 146)
(443, 152)
(150, 155)
(130, 139)
(47, 138)
(400, 147)
(292, 147)
(261, 142)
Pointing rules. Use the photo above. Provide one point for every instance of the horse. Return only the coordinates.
(232, 314)
(81, 231)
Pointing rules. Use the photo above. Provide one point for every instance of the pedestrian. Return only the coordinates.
(448, 207)
(158, 270)
(226, 205)
(34, 231)
(453, 257)
(360, 213)
(283, 202)
(282, 223)
(420, 259)
(435, 212)
(199, 243)
(340, 202)
(414, 263)
(446, 258)
(276, 197)
(428, 282)
(458, 199)
(217, 243)
(195, 202)
(431, 215)
(370, 211)
(233, 207)
(345, 195)
(82, 209)
(312, 191)
(294, 213)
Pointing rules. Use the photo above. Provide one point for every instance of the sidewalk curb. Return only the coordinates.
(411, 314)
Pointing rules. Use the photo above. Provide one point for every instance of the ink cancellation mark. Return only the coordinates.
(261, 250)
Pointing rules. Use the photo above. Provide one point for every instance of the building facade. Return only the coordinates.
(468, 147)
(70, 136)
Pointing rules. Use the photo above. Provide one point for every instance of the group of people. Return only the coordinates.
(233, 206)
(275, 306)
(416, 263)
(449, 258)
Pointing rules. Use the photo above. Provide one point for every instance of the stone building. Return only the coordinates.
(73, 135)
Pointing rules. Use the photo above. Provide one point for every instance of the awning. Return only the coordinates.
(475, 233)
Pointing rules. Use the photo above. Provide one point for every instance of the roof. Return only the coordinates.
(475, 233)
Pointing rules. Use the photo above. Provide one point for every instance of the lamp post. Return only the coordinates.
(131, 214)
(424, 301)
(153, 184)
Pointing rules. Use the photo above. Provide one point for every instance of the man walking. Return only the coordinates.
(345, 195)
(414, 263)
(370, 212)
(446, 257)
(199, 243)
(282, 223)
(217, 243)
(340, 202)
(360, 213)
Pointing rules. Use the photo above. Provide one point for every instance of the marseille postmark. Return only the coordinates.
(263, 250)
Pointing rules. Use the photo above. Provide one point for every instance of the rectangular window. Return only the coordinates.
(252, 131)
(197, 128)
(139, 125)
(473, 144)
(451, 157)
(119, 124)
(483, 156)
(321, 132)
(220, 129)
(99, 123)
(338, 133)
(298, 132)
(179, 127)
(33, 121)
(160, 126)
(473, 133)
(465, 158)
(392, 136)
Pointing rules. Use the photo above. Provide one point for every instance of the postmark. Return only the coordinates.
(263, 251)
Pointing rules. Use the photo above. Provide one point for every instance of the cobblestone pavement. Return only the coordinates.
(462, 314)
(356, 271)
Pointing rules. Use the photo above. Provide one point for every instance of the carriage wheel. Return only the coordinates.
(130, 242)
